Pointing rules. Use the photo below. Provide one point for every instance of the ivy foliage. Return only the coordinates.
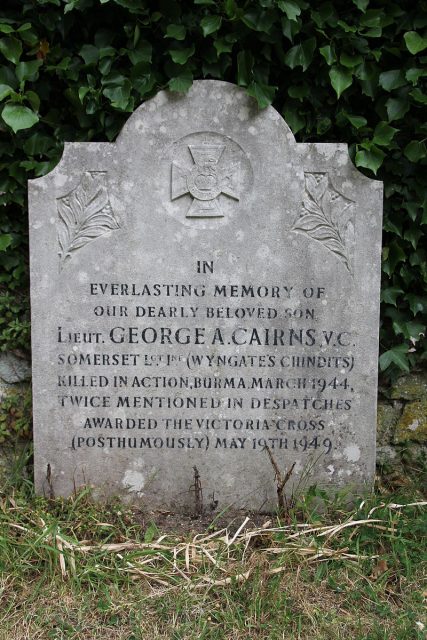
(349, 71)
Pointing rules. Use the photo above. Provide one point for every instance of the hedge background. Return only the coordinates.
(348, 71)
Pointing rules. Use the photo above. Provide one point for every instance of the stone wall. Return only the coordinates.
(402, 421)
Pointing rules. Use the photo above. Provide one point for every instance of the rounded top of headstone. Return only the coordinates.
(208, 105)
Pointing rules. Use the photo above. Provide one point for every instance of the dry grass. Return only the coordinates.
(355, 575)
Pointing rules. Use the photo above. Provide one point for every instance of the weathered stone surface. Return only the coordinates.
(200, 289)
(13, 369)
(413, 423)
(410, 387)
(387, 417)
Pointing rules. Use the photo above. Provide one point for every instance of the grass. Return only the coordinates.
(73, 569)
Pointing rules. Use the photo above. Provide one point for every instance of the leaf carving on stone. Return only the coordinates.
(85, 214)
(323, 216)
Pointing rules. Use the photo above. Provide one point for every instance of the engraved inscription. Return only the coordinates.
(323, 218)
(85, 213)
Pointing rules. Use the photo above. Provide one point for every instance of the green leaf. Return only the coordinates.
(328, 53)
(223, 45)
(143, 52)
(371, 158)
(176, 31)
(263, 94)
(28, 70)
(395, 255)
(11, 48)
(356, 121)
(390, 295)
(361, 4)
(258, 20)
(397, 108)
(210, 24)
(245, 63)
(414, 74)
(151, 531)
(396, 355)
(299, 92)
(392, 79)
(341, 79)
(350, 61)
(413, 235)
(181, 56)
(289, 7)
(293, 118)
(414, 42)
(301, 55)
(418, 96)
(19, 117)
(181, 83)
(415, 151)
(5, 241)
(89, 53)
(119, 95)
(417, 304)
(5, 91)
(6, 28)
(384, 134)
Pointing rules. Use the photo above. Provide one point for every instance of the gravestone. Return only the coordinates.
(202, 289)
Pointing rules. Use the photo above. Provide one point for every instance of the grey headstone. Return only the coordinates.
(201, 288)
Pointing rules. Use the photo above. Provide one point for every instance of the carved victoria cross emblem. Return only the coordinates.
(205, 181)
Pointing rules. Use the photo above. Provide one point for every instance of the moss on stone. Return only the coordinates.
(412, 425)
(411, 387)
(387, 418)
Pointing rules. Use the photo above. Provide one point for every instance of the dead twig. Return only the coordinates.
(281, 481)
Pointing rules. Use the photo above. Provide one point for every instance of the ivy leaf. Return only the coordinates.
(210, 24)
(181, 83)
(289, 7)
(5, 241)
(349, 61)
(89, 53)
(19, 117)
(263, 94)
(245, 63)
(390, 295)
(371, 158)
(11, 48)
(341, 79)
(414, 74)
(328, 53)
(417, 304)
(5, 91)
(384, 134)
(181, 56)
(301, 55)
(361, 4)
(28, 70)
(356, 121)
(293, 118)
(397, 108)
(392, 79)
(223, 45)
(396, 355)
(176, 31)
(414, 42)
(119, 95)
(415, 151)
(419, 96)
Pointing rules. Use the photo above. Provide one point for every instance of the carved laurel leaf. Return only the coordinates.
(321, 221)
(85, 214)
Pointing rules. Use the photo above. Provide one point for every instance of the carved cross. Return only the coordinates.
(204, 181)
